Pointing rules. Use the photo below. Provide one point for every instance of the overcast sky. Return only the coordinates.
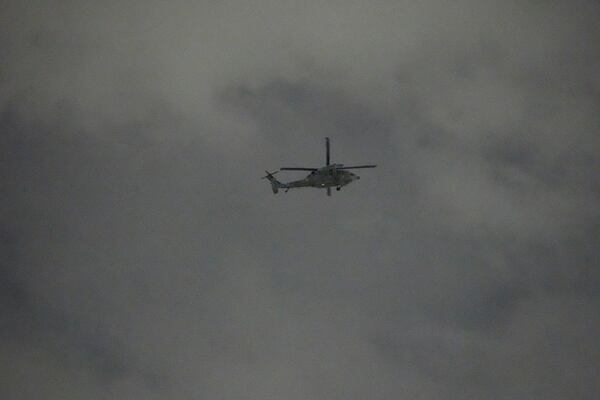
(141, 256)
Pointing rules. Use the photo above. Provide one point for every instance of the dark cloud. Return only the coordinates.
(142, 256)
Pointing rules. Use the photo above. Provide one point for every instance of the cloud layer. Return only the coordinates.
(142, 256)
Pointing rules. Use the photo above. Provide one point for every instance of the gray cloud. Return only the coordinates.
(142, 256)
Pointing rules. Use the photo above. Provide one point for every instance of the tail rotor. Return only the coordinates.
(269, 175)
(275, 184)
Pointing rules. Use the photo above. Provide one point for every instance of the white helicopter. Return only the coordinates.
(331, 175)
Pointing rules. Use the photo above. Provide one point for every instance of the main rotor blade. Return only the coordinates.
(327, 151)
(297, 169)
(358, 166)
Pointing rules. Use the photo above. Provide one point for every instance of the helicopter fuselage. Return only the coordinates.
(331, 175)
(324, 177)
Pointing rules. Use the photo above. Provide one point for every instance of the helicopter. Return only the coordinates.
(331, 175)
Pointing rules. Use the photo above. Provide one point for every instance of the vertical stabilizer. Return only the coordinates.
(275, 184)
